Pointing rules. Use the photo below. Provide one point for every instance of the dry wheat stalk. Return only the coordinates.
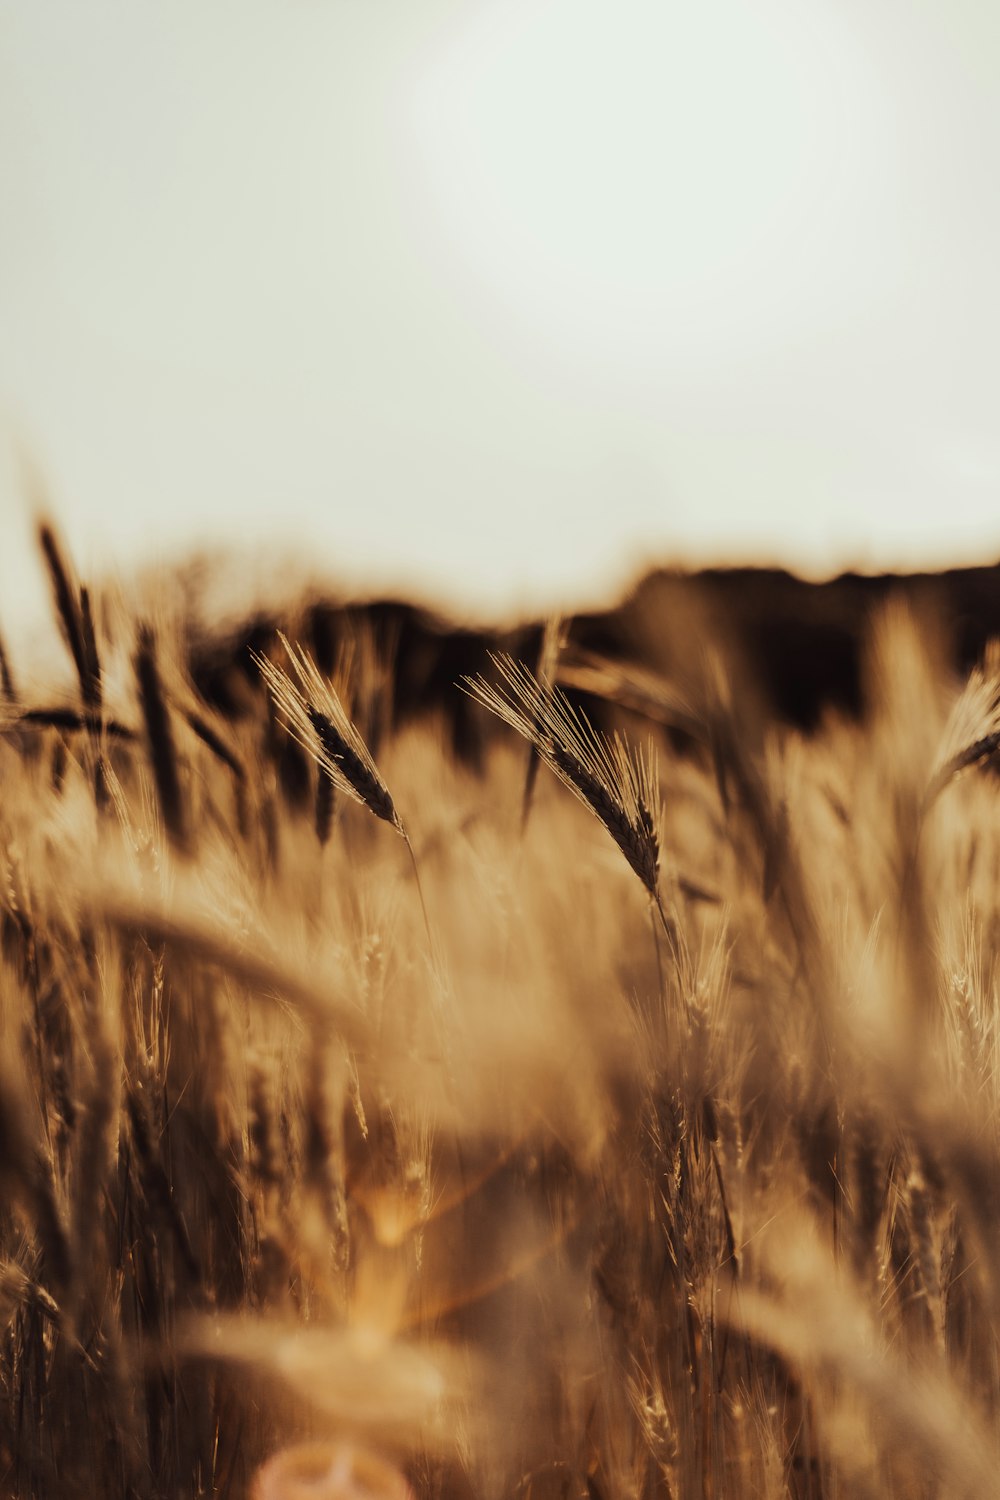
(163, 754)
(314, 715)
(7, 688)
(617, 784)
(70, 617)
(632, 687)
(68, 721)
(972, 733)
(92, 686)
(76, 619)
(552, 644)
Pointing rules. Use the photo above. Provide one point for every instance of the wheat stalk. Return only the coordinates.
(618, 784)
(314, 715)
(7, 688)
(972, 734)
(76, 619)
(552, 643)
(68, 608)
(159, 733)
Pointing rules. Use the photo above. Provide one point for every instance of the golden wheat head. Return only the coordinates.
(313, 713)
(617, 783)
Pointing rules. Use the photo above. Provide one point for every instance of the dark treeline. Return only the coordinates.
(800, 644)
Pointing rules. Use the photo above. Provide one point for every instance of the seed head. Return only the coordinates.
(618, 784)
(314, 715)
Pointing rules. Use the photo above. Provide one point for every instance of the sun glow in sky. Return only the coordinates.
(497, 301)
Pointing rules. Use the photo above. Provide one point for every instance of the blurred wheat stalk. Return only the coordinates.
(524, 1215)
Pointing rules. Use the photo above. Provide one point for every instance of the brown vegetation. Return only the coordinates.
(486, 1187)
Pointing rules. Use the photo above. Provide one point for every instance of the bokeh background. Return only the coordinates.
(497, 302)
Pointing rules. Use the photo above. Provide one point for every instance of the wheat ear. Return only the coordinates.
(972, 734)
(618, 785)
(68, 609)
(160, 737)
(313, 713)
(7, 688)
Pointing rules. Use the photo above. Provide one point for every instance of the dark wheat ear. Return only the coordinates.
(618, 785)
(972, 734)
(92, 686)
(7, 688)
(314, 715)
(67, 606)
(76, 620)
(160, 737)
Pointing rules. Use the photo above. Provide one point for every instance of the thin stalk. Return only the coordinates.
(673, 937)
(656, 949)
(420, 893)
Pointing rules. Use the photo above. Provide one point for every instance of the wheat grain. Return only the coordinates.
(315, 716)
(619, 786)
(972, 733)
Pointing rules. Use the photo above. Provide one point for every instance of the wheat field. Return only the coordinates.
(614, 1119)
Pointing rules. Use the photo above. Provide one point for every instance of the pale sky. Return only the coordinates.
(497, 301)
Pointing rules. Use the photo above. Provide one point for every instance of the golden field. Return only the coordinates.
(624, 1132)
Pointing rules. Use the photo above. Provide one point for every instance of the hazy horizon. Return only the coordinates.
(500, 303)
